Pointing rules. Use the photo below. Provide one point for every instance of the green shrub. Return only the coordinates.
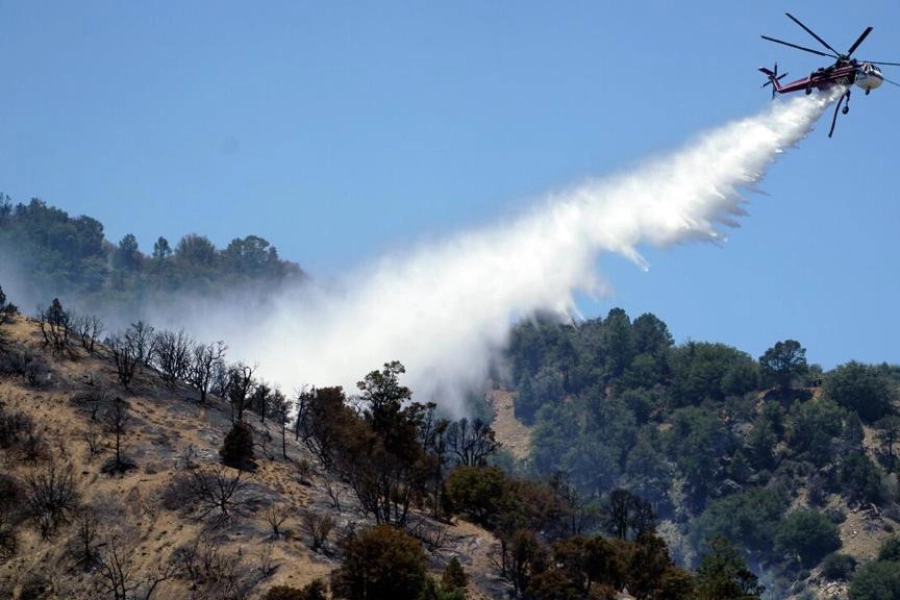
(237, 450)
(454, 576)
(808, 535)
(381, 562)
(890, 549)
(876, 581)
(838, 567)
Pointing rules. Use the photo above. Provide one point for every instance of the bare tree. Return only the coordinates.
(51, 496)
(319, 527)
(88, 328)
(215, 490)
(206, 360)
(85, 544)
(211, 571)
(94, 440)
(276, 516)
(239, 385)
(94, 401)
(117, 570)
(34, 446)
(116, 420)
(172, 355)
(126, 358)
(119, 576)
(471, 441)
(582, 511)
(140, 338)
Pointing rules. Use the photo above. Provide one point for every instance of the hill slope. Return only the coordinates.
(128, 530)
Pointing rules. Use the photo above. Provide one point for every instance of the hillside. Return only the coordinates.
(794, 465)
(140, 530)
(606, 460)
(47, 253)
(138, 519)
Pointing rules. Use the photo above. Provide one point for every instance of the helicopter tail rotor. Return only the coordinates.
(774, 78)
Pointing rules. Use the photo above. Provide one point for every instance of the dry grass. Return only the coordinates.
(511, 432)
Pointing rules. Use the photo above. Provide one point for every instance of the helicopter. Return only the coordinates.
(845, 71)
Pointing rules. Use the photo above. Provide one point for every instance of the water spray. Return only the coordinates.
(444, 309)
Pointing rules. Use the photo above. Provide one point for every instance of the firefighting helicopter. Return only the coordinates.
(845, 71)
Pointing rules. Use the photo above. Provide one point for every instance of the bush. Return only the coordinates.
(838, 567)
(481, 494)
(284, 592)
(807, 534)
(13, 427)
(319, 527)
(35, 587)
(836, 515)
(315, 590)
(237, 449)
(890, 549)
(381, 562)
(116, 466)
(51, 497)
(861, 479)
(12, 496)
(454, 576)
(876, 581)
(866, 389)
(7, 309)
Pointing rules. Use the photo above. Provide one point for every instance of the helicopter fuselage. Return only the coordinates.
(864, 75)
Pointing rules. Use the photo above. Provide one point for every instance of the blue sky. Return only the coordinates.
(340, 131)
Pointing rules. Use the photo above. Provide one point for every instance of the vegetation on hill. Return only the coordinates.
(768, 453)
(58, 255)
(401, 468)
(671, 471)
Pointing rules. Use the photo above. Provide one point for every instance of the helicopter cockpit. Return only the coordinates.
(868, 77)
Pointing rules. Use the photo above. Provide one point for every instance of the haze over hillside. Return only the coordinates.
(445, 308)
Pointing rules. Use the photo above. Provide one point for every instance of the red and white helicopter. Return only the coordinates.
(845, 71)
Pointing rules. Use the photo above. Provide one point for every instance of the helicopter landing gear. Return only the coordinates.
(808, 90)
(867, 92)
(845, 110)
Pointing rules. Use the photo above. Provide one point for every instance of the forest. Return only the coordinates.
(769, 452)
(669, 470)
(56, 255)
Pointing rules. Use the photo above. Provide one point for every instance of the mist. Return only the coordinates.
(445, 309)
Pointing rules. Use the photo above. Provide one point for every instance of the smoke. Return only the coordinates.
(444, 309)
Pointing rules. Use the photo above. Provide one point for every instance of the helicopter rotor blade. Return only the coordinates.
(891, 82)
(859, 41)
(883, 63)
(812, 33)
(804, 48)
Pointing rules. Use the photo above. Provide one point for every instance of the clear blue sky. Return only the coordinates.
(339, 131)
